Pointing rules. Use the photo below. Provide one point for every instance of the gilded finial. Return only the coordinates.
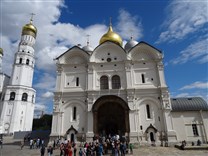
(88, 39)
(31, 19)
(131, 34)
(110, 21)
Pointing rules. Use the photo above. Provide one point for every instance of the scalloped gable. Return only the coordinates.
(74, 55)
(70, 49)
(102, 48)
(147, 49)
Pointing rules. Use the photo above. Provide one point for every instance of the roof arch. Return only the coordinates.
(144, 51)
(149, 100)
(74, 55)
(74, 102)
(106, 50)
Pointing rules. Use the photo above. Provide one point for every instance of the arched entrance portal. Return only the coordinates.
(111, 116)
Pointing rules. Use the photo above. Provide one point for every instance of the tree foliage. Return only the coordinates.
(43, 123)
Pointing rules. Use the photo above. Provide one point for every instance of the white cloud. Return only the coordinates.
(203, 95)
(46, 81)
(53, 37)
(40, 107)
(129, 25)
(47, 94)
(185, 18)
(196, 85)
(183, 95)
(197, 50)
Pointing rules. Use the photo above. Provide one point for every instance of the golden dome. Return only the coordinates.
(1, 51)
(29, 29)
(111, 36)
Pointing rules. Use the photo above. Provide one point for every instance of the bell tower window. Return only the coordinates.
(27, 62)
(24, 97)
(20, 61)
(12, 96)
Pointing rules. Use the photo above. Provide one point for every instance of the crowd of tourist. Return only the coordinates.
(115, 146)
(99, 146)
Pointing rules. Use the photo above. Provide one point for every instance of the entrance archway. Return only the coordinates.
(111, 116)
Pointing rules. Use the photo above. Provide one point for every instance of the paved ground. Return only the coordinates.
(13, 149)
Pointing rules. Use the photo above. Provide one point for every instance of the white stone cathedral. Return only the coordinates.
(17, 94)
(116, 89)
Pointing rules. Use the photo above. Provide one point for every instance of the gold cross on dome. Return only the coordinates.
(31, 19)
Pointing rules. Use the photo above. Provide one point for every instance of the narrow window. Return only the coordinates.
(77, 81)
(143, 79)
(12, 96)
(20, 61)
(148, 111)
(74, 113)
(195, 130)
(33, 98)
(104, 82)
(116, 84)
(24, 97)
(27, 62)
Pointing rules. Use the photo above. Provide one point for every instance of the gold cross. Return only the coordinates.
(32, 14)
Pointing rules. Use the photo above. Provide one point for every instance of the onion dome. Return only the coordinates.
(131, 43)
(29, 29)
(1, 51)
(111, 36)
(87, 48)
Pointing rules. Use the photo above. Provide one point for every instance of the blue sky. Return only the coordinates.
(178, 28)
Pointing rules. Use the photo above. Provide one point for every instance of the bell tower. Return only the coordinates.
(19, 100)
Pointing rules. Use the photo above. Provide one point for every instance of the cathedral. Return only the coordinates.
(117, 89)
(17, 96)
(113, 89)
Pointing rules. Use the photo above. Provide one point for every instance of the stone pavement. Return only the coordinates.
(12, 148)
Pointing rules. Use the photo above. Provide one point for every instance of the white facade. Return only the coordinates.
(116, 90)
(18, 96)
(142, 83)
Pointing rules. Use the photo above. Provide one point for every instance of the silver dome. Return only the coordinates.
(130, 44)
(88, 48)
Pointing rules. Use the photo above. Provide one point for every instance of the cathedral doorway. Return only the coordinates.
(110, 116)
(152, 138)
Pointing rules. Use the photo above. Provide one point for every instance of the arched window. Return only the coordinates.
(33, 98)
(24, 97)
(27, 62)
(143, 78)
(77, 81)
(116, 83)
(148, 111)
(20, 61)
(12, 96)
(104, 82)
(74, 113)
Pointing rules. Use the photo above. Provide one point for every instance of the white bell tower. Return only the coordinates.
(19, 100)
